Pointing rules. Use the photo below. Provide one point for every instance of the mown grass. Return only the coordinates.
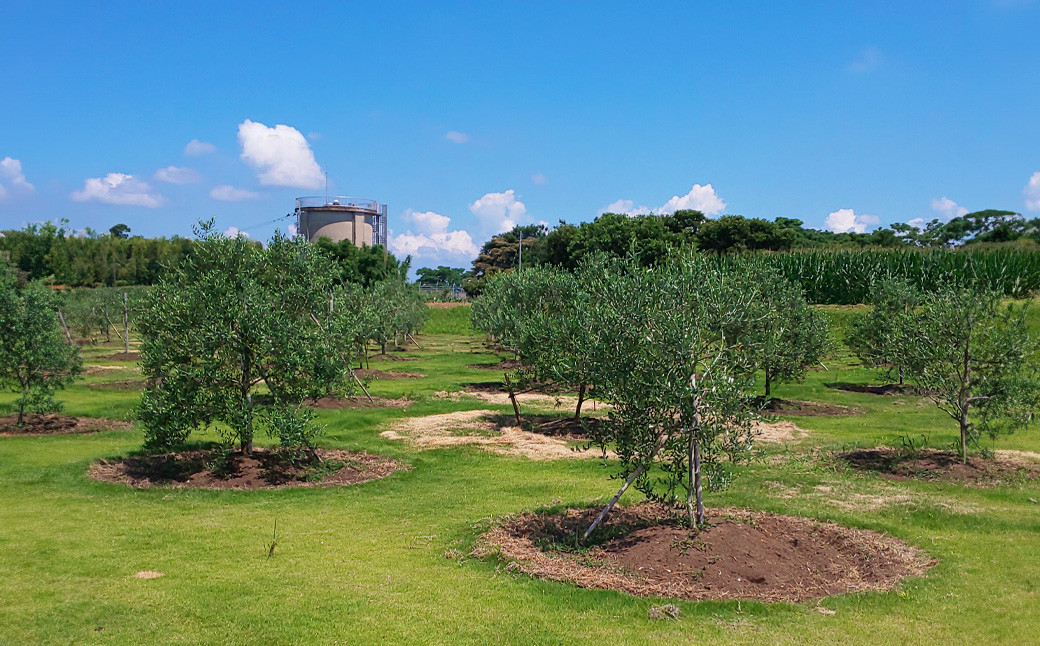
(366, 564)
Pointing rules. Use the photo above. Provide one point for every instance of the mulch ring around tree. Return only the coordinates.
(566, 428)
(264, 469)
(505, 364)
(740, 554)
(125, 356)
(126, 384)
(945, 466)
(365, 373)
(807, 409)
(54, 424)
(886, 389)
(360, 401)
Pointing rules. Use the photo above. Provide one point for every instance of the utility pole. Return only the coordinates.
(521, 250)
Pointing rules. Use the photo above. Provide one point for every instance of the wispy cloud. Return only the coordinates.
(177, 175)
(456, 137)
(196, 147)
(228, 193)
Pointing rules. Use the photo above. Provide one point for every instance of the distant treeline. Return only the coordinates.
(56, 255)
(1001, 246)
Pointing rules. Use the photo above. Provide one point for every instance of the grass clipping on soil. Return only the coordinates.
(740, 554)
(478, 427)
(264, 469)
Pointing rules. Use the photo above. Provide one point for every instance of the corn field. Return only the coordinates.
(843, 277)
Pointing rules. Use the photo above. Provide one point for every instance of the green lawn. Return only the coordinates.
(366, 564)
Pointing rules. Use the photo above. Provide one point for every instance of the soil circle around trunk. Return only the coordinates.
(943, 466)
(885, 389)
(365, 373)
(125, 356)
(55, 424)
(806, 409)
(360, 401)
(264, 469)
(739, 554)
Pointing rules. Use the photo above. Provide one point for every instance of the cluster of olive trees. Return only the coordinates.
(676, 349)
(972, 354)
(238, 336)
(36, 357)
(93, 314)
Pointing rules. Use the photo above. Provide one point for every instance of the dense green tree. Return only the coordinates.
(976, 358)
(439, 277)
(233, 317)
(792, 334)
(876, 337)
(35, 358)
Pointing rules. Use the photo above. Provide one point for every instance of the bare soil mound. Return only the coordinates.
(125, 356)
(54, 424)
(740, 554)
(946, 466)
(807, 409)
(566, 428)
(265, 469)
(380, 374)
(126, 384)
(886, 389)
(503, 365)
(335, 403)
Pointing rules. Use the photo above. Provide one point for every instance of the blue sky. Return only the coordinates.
(468, 117)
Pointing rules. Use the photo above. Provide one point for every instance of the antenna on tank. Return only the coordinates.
(326, 184)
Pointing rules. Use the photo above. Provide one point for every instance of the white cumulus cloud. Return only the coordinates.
(499, 212)
(177, 175)
(12, 179)
(196, 147)
(847, 221)
(1032, 193)
(456, 137)
(700, 198)
(281, 155)
(233, 232)
(118, 188)
(228, 193)
(947, 208)
(432, 239)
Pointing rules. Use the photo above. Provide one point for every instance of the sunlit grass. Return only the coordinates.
(366, 564)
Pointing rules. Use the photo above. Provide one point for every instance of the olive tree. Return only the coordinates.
(35, 358)
(678, 364)
(976, 358)
(876, 337)
(792, 334)
(234, 319)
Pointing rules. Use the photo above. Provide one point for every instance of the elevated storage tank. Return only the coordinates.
(362, 221)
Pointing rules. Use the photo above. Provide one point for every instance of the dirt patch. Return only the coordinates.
(444, 305)
(380, 374)
(478, 427)
(125, 356)
(503, 365)
(778, 432)
(127, 384)
(543, 401)
(335, 403)
(54, 424)
(886, 389)
(740, 554)
(265, 469)
(148, 574)
(807, 409)
(392, 357)
(566, 428)
(946, 466)
(101, 370)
